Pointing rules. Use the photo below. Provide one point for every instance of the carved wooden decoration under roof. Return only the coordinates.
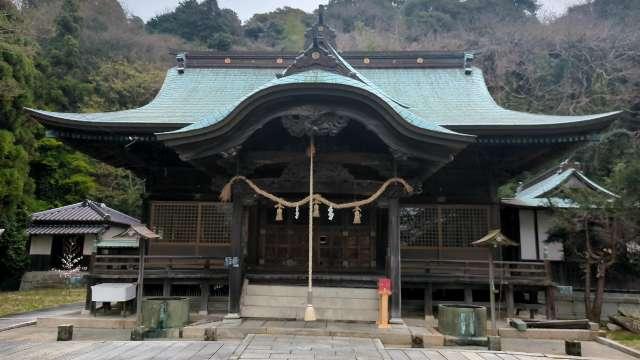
(332, 171)
(313, 120)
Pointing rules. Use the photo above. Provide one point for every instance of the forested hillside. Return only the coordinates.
(89, 55)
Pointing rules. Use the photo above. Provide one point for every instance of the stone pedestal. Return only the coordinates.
(65, 332)
(573, 348)
(494, 343)
(137, 333)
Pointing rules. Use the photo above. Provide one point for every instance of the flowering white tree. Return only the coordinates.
(70, 263)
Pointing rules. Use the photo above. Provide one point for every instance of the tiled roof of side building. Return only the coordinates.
(447, 97)
(87, 211)
(539, 193)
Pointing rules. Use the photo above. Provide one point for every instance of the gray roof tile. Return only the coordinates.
(86, 211)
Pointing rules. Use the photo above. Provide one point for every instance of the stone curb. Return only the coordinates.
(237, 353)
(19, 325)
(383, 352)
(617, 346)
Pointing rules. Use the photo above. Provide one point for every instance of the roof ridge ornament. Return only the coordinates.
(320, 52)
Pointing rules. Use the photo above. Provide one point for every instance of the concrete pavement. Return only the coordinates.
(25, 319)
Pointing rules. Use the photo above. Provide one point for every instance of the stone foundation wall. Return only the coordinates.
(47, 280)
(572, 306)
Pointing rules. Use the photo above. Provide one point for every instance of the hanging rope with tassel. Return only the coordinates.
(281, 203)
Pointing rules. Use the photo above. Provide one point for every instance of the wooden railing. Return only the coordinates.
(170, 266)
(535, 273)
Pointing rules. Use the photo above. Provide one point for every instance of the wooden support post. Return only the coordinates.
(468, 295)
(87, 299)
(204, 298)
(88, 304)
(428, 300)
(394, 261)
(511, 311)
(142, 245)
(551, 302)
(235, 271)
(492, 295)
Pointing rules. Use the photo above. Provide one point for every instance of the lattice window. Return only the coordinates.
(446, 226)
(192, 222)
(462, 226)
(175, 222)
(419, 227)
(216, 223)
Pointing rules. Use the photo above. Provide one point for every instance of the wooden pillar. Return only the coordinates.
(90, 282)
(551, 302)
(204, 298)
(468, 295)
(235, 271)
(428, 300)
(394, 261)
(492, 295)
(142, 247)
(511, 311)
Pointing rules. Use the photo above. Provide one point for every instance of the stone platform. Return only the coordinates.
(258, 347)
(398, 335)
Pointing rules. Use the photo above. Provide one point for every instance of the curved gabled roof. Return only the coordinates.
(316, 77)
(435, 97)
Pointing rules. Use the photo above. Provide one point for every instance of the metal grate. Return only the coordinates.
(443, 226)
(192, 222)
(419, 226)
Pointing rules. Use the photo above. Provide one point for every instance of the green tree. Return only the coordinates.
(121, 85)
(345, 15)
(17, 77)
(598, 230)
(282, 29)
(63, 67)
(201, 22)
(63, 176)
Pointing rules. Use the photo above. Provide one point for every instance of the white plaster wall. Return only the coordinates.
(89, 244)
(40, 245)
(527, 235)
(554, 250)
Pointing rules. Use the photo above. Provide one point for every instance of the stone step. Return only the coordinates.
(288, 302)
(318, 302)
(272, 312)
(318, 292)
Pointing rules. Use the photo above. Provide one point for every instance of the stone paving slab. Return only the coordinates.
(252, 347)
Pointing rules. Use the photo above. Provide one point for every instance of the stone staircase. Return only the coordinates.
(289, 302)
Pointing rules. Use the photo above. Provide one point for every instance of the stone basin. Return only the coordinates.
(463, 321)
(165, 312)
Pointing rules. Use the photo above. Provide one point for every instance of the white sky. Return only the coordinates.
(146, 9)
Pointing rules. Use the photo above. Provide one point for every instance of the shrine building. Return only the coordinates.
(409, 149)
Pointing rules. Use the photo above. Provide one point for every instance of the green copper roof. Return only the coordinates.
(318, 77)
(434, 97)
